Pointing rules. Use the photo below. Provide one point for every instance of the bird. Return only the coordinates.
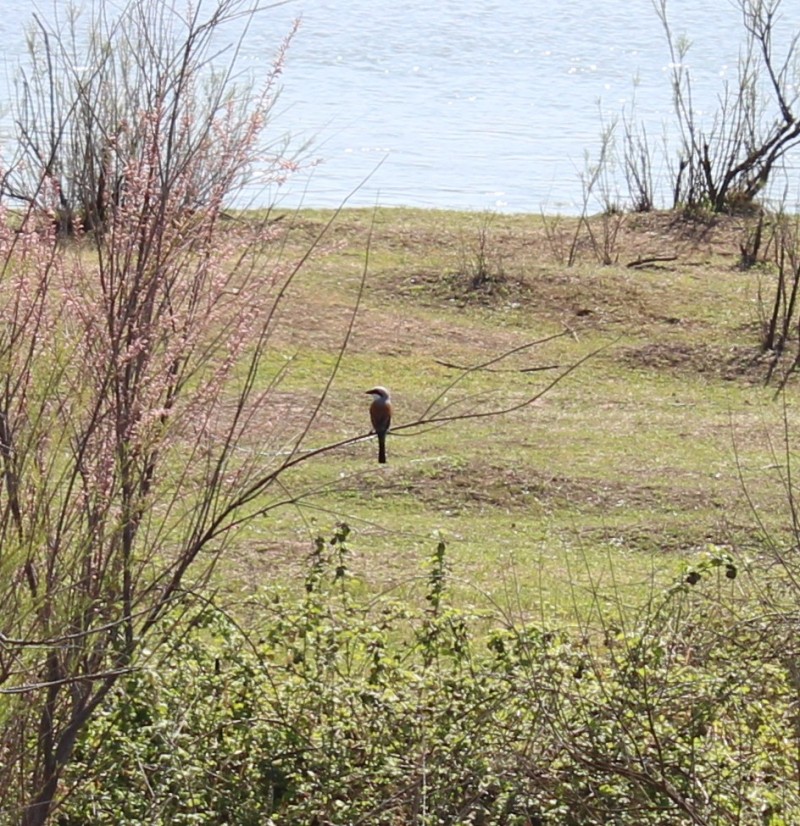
(380, 411)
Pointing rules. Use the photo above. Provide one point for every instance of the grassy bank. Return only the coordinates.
(626, 472)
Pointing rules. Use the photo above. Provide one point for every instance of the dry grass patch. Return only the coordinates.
(733, 363)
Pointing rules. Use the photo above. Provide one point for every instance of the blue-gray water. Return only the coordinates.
(474, 104)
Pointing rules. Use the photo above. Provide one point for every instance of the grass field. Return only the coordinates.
(608, 634)
(655, 449)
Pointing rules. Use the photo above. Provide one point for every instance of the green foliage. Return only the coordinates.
(350, 710)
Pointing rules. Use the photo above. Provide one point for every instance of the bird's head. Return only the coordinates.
(379, 394)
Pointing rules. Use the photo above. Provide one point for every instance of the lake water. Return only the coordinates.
(474, 104)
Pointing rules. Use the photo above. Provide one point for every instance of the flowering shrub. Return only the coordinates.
(128, 372)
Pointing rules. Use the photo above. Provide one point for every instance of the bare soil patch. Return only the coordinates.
(481, 486)
(736, 362)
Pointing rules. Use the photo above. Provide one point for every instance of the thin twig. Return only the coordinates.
(654, 259)
(453, 366)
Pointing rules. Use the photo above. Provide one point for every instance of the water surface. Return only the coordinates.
(475, 104)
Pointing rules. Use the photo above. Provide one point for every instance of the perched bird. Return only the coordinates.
(380, 411)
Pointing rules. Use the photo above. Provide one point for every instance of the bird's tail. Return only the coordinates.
(382, 448)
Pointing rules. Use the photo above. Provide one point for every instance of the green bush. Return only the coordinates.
(348, 711)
